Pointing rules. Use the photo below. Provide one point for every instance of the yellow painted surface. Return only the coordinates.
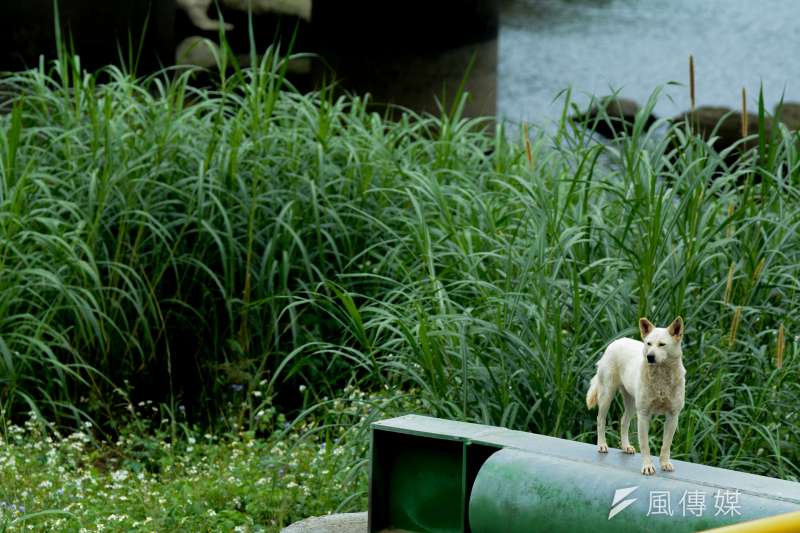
(784, 523)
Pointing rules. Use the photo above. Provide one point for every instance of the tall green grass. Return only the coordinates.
(189, 244)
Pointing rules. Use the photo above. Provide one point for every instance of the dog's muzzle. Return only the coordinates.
(651, 358)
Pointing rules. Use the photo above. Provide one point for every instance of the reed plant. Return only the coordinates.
(195, 246)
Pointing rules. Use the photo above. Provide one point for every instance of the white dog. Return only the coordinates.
(651, 376)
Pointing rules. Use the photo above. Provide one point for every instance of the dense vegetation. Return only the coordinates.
(151, 480)
(227, 252)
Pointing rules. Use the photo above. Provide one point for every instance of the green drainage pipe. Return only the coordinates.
(443, 476)
(521, 491)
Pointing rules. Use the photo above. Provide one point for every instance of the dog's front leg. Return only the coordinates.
(670, 424)
(643, 427)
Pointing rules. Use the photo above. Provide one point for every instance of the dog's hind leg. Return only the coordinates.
(630, 409)
(604, 397)
(669, 431)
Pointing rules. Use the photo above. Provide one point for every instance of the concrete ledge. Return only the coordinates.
(332, 523)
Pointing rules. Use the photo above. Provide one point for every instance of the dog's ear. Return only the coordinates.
(676, 328)
(645, 327)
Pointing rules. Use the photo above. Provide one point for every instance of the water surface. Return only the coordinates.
(636, 45)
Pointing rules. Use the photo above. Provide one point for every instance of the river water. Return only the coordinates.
(594, 46)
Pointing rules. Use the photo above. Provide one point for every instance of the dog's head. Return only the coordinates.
(661, 344)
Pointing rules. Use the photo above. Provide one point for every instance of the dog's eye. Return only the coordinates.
(661, 344)
(649, 343)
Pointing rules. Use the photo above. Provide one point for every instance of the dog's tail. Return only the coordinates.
(591, 395)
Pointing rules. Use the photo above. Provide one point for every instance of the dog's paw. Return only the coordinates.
(648, 469)
(602, 448)
(628, 449)
(667, 467)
